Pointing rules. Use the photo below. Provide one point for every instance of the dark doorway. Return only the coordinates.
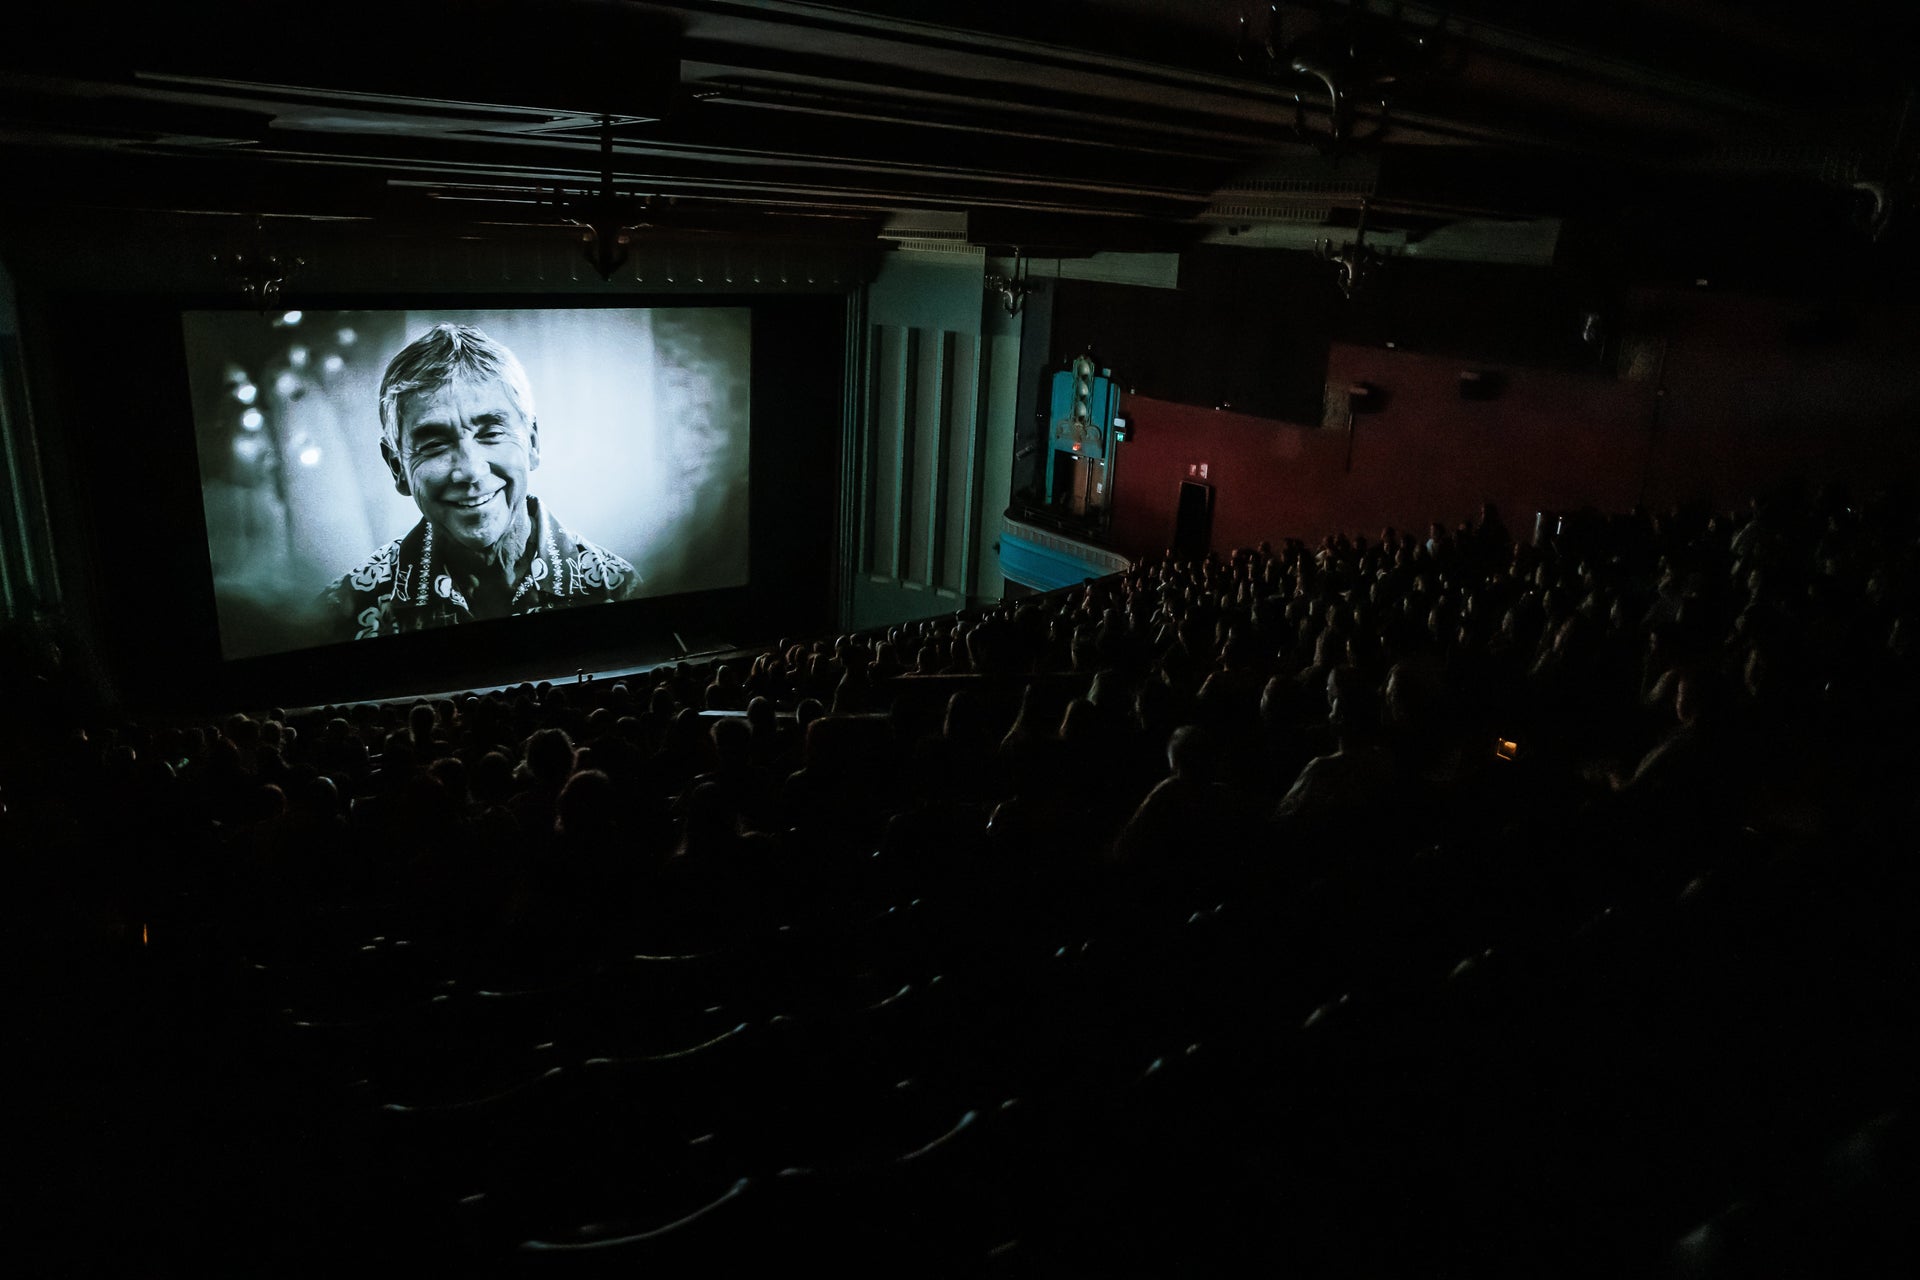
(1193, 523)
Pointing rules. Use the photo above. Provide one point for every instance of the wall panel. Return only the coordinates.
(933, 489)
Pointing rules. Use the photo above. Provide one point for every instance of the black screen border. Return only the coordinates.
(126, 467)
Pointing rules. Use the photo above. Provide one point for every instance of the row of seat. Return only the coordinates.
(1534, 1077)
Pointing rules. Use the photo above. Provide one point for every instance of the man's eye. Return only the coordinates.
(495, 436)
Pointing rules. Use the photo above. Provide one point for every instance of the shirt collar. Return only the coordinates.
(422, 580)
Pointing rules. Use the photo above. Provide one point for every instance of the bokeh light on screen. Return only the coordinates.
(292, 317)
(246, 393)
(253, 419)
(310, 456)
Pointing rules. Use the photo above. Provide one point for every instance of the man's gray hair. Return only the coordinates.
(435, 358)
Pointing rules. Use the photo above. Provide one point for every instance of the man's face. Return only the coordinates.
(465, 451)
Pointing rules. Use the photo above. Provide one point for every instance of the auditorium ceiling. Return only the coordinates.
(1059, 126)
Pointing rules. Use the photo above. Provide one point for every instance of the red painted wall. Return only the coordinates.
(1755, 391)
(1761, 389)
(1548, 441)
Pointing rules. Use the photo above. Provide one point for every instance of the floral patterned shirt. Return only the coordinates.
(405, 585)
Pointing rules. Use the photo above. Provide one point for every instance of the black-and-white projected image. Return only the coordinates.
(368, 473)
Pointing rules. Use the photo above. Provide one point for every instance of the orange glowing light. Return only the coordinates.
(143, 935)
(1505, 748)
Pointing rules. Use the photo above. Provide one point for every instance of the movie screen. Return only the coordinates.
(369, 473)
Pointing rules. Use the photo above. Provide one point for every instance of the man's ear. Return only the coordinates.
(533, 443)
(399, 472)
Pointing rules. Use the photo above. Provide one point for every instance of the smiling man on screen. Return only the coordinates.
(459, 434)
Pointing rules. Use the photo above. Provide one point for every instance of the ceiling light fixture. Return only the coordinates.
(259, 271)
(605, 218)
(1348, 61)
(1013, 289)
(1354, 263)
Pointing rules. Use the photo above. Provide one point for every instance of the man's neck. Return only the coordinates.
(498, 568)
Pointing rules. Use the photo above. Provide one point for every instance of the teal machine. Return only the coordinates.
(1080, 442)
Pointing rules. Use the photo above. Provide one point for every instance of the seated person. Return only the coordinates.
(1358, 774)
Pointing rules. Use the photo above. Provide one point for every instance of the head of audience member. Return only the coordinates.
(588, 807)
(1156, 708)
(1696, 697)
(397, 760)
(452, 774)
(1343, 682)
(1355, 718)
(1030, 722)
(805, 712)
(762, 717)
(687, 741)
(1191, 756)
(732, 743)
(316, 801)
(707, 828)
(1080, 725)
(492, 780)
(549, 758)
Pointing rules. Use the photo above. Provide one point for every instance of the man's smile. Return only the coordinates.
(473, 504)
